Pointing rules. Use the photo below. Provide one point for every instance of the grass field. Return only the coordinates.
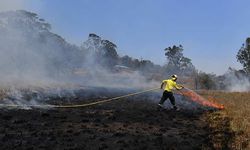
(237, 111)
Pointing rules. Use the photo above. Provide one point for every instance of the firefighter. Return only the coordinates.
(170, 84)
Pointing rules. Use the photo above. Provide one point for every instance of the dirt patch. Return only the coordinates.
(127, 124)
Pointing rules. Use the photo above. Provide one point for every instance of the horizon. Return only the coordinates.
(210, 32)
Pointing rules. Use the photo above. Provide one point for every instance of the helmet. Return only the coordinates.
(174, 77)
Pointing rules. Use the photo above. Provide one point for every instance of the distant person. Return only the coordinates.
(170, 84)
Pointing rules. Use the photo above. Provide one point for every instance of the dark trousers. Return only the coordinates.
(167, 95)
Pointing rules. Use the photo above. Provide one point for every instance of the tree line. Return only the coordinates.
(62, 58)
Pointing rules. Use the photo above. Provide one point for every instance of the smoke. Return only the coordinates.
(11, 5)
(237, 81)
(32, 57)
(24, 60)
(240, 85)
(101, 67)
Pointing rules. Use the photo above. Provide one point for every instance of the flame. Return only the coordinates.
(198, 99)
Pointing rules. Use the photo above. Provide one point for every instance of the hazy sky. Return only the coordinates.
(211, 31)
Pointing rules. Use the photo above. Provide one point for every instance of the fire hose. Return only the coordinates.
(82, 105)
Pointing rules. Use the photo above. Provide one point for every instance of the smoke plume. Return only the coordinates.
(237, 81)
(6, 5)
(32, 57)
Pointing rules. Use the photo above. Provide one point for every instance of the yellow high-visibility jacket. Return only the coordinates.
(170, 84)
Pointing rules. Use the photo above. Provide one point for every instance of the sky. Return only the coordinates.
(211, 32)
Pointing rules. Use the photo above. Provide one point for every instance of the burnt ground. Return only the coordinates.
(122, 124)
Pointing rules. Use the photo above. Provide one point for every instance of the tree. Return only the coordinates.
(177, 63)
(174, 55)
(100, 52)
(110, 55)
(243, 56)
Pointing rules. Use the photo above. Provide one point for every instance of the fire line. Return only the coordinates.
(193, 96)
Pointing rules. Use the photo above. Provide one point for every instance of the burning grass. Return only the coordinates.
(237, 106)
(200, 100)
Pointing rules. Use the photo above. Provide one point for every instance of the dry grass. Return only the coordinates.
(237, 108)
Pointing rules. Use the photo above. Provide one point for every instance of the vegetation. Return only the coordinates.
(204, 81)
(243, 55)
(237, 106)
(177, 63)
(35, 38)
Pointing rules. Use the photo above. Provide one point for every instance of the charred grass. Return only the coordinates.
(133, 123)
(233, 121)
